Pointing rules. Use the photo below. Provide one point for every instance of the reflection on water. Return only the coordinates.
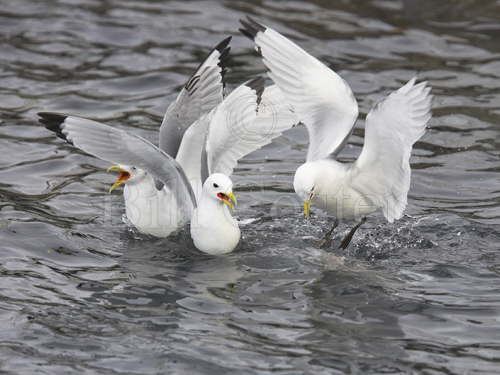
(82, 293)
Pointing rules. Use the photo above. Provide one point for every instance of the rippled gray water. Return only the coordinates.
(82, 294)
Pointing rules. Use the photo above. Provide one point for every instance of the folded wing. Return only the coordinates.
(202, 92)
(382, 171)
(119, 147)
(192, 153)
(321, 98)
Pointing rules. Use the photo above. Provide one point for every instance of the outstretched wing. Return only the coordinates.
(248, 118)
(119, 147)
(322, 100)
(202, 92)
(382, 171)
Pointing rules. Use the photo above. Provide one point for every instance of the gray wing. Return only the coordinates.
(322, 100)
(119, 147)
(202, 92)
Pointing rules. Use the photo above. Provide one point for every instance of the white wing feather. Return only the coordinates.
(190, 155)
(240, 125)
(322, 100)
(382, 171)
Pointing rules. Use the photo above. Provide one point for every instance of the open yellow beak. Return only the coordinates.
(307, 208)
(228, 199)
(123, 176)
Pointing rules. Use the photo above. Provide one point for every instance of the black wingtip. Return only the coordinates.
(257, 84)
(223, 56)
(53, 121)
(223, 45)
(251, 27)
(223, 48)
(246, 33)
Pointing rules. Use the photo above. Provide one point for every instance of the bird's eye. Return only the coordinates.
(215, 185)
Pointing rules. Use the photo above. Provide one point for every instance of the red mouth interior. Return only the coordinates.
(123, 176)
(223, 196)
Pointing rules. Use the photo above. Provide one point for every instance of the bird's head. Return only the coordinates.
(304, 184)
(126, 174)
(220, 187)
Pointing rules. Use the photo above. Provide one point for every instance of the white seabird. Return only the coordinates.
(380, 178)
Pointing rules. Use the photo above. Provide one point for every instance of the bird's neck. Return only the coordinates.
(213, 207)
(145, 187)
(209, 202)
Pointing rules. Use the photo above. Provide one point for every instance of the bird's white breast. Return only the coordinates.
(334, 192)
(151, 211)
(213, 229)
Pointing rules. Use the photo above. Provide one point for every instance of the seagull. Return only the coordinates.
(159, 197)
(379, 179)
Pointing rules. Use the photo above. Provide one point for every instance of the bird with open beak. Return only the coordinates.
(213, 207)
(123, 176)
(379, 180)
(152, 211)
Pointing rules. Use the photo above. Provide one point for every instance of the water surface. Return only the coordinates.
(82, 294)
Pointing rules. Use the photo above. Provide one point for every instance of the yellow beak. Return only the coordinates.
(307, 208)
(123, 176)
(228, 199)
